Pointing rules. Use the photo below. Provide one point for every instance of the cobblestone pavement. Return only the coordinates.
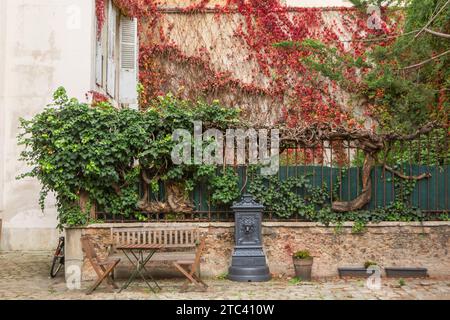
(24, 275)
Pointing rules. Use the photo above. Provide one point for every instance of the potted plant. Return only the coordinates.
(357, 272)
(303, 264)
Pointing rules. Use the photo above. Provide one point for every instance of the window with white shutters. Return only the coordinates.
(116, 64)
(111, 67)
(128, 61)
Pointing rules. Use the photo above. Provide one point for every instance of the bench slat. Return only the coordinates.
(170, 237)
(173, 256)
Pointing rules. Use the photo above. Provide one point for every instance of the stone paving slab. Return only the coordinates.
(25, 275)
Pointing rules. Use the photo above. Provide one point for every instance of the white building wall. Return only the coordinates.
(44, 44)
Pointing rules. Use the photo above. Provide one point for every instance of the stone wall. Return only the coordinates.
(389, 243)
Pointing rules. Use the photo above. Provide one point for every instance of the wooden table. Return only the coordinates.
(136, 251)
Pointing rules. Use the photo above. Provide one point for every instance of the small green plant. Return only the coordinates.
(294, 281)
(369, 263)
(358, 227)
(339, 227)
(222, 276)
(302, 254)
(401, 282)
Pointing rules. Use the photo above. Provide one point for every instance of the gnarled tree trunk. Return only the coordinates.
(176, 200)
(84, 202)
(365, 196)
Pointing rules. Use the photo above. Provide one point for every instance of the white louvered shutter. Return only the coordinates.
(128, 62)
(111, 68)
(99, 63)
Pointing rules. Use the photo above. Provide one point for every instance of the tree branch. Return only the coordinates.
(392, 36)
(432, 19)
(439, 34)
(366, 194)
(403, 176)
(426, 61)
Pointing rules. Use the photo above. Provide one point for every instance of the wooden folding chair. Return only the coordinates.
(103, 268)
(190, 269)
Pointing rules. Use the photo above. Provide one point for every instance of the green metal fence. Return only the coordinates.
(337, 166)
(430, 194)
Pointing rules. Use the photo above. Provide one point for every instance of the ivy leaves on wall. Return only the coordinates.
(283, 198)
(78, 150)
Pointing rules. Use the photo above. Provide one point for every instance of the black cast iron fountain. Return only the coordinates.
(248, 262)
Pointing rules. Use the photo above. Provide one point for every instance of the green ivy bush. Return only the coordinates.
(74, 148)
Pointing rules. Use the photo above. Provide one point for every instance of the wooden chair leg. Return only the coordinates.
(94, 286)
(185, 273)
(185, 286)
(104, 276)
(111, 283)
(192, 278)
(110, 277)
(200, 284)
(200, 281)
(195, 273)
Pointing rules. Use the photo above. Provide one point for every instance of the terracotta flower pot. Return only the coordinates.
(303, 268)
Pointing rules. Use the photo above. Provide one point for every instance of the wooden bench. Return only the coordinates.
(183, 247)
(174, 237)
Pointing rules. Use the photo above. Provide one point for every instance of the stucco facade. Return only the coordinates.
(44, 44)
